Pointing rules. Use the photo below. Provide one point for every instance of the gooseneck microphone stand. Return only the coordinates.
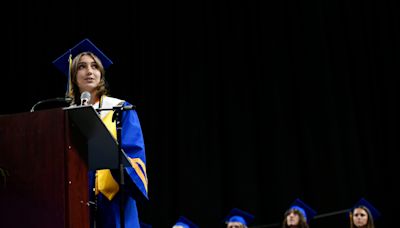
(117, 116)
(66, 100)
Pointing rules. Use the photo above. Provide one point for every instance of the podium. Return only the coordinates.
(44, 160)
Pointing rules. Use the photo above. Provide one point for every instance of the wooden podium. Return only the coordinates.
(44, 160)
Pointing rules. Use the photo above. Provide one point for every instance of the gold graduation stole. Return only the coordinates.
(104, 182)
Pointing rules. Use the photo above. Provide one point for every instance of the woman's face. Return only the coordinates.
(293, 219)
(88, 74)
(360, 217)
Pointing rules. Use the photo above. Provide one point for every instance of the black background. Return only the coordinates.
(246, 104)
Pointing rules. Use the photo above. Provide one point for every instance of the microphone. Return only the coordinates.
(85, 98)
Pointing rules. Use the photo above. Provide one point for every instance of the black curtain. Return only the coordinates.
(247, 104)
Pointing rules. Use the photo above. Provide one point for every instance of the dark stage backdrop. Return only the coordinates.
(246, 104)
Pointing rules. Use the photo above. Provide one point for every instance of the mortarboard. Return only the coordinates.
(304, 209)
(237, 215)
(63, 62)
(185, 222)
(363, 202)
(145, 225)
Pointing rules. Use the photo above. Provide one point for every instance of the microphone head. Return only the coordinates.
(85, 98)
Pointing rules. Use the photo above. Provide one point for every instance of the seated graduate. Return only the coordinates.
(184, 222)
(363, 214)
(85, 65)
(145, 225)
(298, 215)
(238, 219)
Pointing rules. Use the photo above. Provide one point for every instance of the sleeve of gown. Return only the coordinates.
(133, 145)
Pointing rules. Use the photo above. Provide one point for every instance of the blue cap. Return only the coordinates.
(185, 222)
(363, 202)
(237, 215)
(304, 209)
(62, 62)
(145, 225)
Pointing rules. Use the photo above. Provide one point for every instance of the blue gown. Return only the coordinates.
(107, 214)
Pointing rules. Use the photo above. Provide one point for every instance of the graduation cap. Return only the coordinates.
(304, 209)
(145, 225)
(237, 215)
(63, 63)
(185, 223)
(363, 202)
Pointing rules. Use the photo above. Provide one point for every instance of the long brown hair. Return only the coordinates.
(102, 88)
